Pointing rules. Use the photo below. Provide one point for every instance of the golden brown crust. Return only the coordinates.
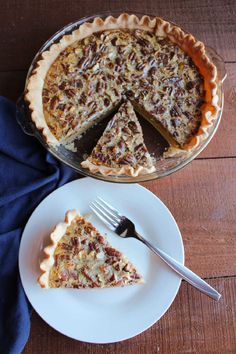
(124, 170)
(55, 236)
(187, 42)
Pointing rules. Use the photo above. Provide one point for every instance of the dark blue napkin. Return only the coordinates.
(27, 174)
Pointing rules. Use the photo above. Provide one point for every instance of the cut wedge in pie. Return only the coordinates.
(121, 149)
(164, 71)
(80, 257)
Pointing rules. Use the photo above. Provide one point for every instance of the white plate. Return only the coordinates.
(104, 315)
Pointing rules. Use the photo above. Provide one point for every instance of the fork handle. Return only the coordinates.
(183, 271)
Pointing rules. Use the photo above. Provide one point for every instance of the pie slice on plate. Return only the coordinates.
(121, 148)
(80, 257)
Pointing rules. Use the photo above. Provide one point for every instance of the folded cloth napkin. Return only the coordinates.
(27, 174)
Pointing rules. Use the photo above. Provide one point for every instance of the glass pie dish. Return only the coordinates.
(155, 143)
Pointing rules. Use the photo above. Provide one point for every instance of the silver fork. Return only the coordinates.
(124, 227)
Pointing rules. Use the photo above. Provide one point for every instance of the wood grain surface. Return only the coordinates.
(202, 196)
(193, 324)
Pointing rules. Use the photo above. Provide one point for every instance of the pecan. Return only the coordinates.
(98, 86)
(132, 56)
(75, 241)
(112, 252)
(126, 130)
(101, 239)
(79, 84)
(127, 267)
(64, 274)
(189, 85)
(46, 92)
(120, 80)
(113, 41)
(191, 63)
(160, 109)
(88, 228)
(142, 42)
(83, 98)
(129, 93)
(152, 71)
(175, 111)
(172, 54)
(138, 147)
(66, 246)
(162, 58)
(140, 66)
(53, 102)
(175, 134)
(116, 92)
(106, 102)
(180, 92)
(187, 115)
(94, 283)
(94, 246)
(45, 99)
(163, 42)
(61, 106)
(128, 159)
(135, 276)
(144, 51)
(133, 127)
(118, 61)
(65, 68)
(70, 93)
(112, 278)
(92, 105)
(74, 274)
(151, 60)
(81, 61)
(62, 86)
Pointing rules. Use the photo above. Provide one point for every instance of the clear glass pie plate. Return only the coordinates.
(154, 141)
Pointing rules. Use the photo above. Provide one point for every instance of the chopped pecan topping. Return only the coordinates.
(189, 85)
(175, 111)
(106, 102)
(54, 101)
(112, 252)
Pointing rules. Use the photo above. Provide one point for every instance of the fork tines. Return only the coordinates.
(108, 214)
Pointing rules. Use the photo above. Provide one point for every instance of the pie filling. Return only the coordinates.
(92, 75)
(84, 259)
(122, 143)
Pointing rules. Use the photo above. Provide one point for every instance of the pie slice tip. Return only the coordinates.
(121, 149)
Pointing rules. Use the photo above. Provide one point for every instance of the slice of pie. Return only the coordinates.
(121, 149)
(79, 257)
(162, 70)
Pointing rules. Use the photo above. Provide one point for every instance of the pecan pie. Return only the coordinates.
(121, 149)
(163, 71)
(80, 257)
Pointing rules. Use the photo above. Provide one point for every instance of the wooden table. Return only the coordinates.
(202, 196)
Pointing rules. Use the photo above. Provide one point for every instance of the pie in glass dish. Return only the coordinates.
(80, 257)
(163, 71)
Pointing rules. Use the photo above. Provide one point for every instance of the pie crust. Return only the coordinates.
(193, 48)
(79, 257)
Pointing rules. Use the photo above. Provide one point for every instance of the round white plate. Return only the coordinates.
(104, 315)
